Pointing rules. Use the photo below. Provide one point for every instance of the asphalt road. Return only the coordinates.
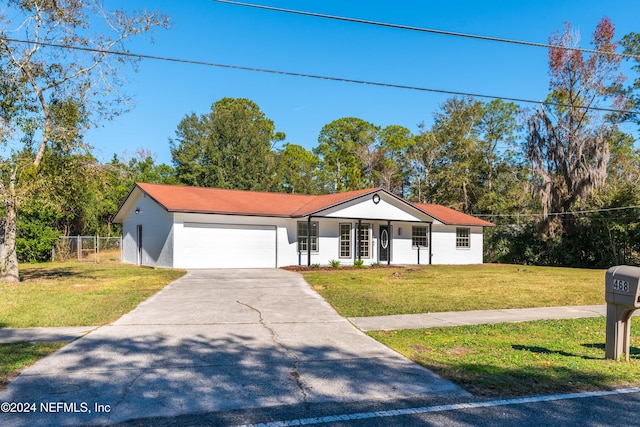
(612, 409)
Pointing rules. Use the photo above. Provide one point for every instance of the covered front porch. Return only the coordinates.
(377, 228)
(368, 240)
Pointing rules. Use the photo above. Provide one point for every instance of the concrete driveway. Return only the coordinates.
(216, 340)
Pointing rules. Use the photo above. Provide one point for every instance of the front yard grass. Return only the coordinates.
(438, 288)
(78, 293)
(16, 356)
(512, 359)
(508, 359)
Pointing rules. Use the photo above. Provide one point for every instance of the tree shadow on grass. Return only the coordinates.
(538, 379)
(544, 374)
(633, 351)
(48, 274)
(544, 350)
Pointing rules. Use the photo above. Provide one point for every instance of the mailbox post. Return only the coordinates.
(622, 295)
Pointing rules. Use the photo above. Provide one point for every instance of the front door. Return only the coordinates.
(139, 243)
(384, 243)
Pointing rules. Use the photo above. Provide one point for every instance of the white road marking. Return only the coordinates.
(439, 408)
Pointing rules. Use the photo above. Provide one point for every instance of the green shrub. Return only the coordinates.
(334, 263)
(34, 241)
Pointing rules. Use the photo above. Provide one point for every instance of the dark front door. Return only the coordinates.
(139, 242)
(384, 243)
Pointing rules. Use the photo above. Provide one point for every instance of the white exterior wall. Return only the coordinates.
(157, 233)
(402, 250)
(444, 246)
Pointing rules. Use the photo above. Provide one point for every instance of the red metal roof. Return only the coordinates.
(176, 198)
(450, 216)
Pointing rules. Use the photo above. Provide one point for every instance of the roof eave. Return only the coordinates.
(485, 223)
(189, 211)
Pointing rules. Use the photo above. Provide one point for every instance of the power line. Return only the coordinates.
(425, 30)
(314, 76)
(525, 215)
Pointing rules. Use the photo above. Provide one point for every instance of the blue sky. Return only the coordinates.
(204, 30)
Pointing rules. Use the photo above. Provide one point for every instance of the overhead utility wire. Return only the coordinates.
(556, 213)
(424, 30)
(314, 76)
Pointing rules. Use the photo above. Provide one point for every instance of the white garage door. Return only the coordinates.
(228, 246)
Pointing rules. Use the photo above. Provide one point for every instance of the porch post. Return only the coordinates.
(358, 239)
(309, 241)
(430, 243)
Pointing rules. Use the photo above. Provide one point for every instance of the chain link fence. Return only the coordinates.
(87, 248)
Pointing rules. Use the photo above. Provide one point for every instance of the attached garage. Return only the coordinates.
(227, 246)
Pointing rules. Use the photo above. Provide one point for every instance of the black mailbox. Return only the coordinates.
(623, 298)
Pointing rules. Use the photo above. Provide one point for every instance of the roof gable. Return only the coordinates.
(377, 204)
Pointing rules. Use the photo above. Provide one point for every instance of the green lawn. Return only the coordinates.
(510, 359)
(78, 294)
(16, 356)
(490, 360)
(437, 288)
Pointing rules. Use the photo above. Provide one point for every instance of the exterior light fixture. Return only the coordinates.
(137, 211)
(376, 198)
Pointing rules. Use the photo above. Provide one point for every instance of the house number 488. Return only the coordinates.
(620, 285)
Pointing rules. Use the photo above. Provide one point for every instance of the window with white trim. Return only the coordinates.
(364, 238)
(463, 240)
(345, 240)
(419, 236)
(303, 236)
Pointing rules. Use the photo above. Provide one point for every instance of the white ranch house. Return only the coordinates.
(190, 227)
